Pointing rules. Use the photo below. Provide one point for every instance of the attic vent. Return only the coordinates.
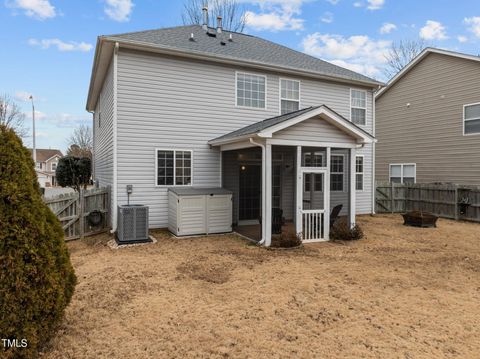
(211, 34)
(192, 38)
(223, 43)
(230, 38)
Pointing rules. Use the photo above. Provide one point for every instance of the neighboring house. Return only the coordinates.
(46, 165)
(204, 107)
(428, 121)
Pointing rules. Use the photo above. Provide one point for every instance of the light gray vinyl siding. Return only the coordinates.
(166, 102)
(314, 129)
(430, 131)
(103, 130)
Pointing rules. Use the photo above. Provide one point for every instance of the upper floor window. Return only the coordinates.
(54, 166)
(289, 96)
(471, 119)
(403, 173)
(250, 90)
(174, 167)
(358, 107)
(38, 165)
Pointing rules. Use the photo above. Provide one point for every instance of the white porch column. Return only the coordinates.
(299, 194)
(353, 190)
(268, 195)
(326, 226)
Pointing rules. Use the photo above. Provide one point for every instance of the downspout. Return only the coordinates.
(374, 189)
(114, 133)
(93, 150)
(264, 168)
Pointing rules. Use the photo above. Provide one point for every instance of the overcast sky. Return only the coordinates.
(47, 45)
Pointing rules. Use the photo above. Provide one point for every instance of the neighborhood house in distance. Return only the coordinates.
(200, 107)
(428, 121)
(46, 165)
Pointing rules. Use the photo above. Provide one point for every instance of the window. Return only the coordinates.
(359, 173)
(471, 119)
(336, 173)
(38, 165)
(358, 106)
(250, 90)
(313, 159)
(289, 96)
(54, 166)
(174, 167)
(403, 173)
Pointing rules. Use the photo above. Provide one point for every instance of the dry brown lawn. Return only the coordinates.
(401, 292)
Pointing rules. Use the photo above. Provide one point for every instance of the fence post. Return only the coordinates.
(392, 192)
(456, 202)
(81, 218)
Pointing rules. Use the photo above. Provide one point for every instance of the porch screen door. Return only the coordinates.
(250, 192)
(313, 204)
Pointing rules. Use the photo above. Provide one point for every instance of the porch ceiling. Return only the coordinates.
(266, 128)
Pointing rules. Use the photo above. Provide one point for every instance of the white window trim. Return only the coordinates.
(306, 169)
(51, 166)
(343, 173)
(236, 96)
(280, 98)
(362, 108)
(174, 167)
(401, 171)
(363, 173)
(470, 119)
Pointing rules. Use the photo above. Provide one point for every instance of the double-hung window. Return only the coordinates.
(471, 119)
(359, 173)
(337, 168)
(358, 106)
(250, 90)
(289, 96)
(403, 173)
(54, 166)
(174, 167)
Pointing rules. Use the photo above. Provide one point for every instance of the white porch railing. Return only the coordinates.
(313, 224)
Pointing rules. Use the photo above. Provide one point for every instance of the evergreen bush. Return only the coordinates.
(36, 277)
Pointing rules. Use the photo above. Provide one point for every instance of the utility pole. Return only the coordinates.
(34, 149)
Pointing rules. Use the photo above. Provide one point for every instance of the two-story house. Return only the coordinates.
(203, 107)
(428, 121)
(46, 165)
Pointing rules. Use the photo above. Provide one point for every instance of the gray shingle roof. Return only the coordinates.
(242, 47)
(269, 122)
(261, 125)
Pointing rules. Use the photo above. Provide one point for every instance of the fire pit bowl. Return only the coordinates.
(420, 219)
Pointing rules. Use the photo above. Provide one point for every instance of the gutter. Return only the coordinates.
(264, 180)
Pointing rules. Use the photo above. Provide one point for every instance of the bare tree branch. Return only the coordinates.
(81, 142)
(401, 53)
(233, 15)
(11, 116)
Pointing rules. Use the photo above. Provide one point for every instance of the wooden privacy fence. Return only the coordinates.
(444, 200)
(74, 209)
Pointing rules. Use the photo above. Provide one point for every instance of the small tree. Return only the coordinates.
(400, 54)
(74, 172)
(233, 15)
(36, 277)
(81, 142)
(11, 116)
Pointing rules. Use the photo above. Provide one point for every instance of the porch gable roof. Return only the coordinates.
(268, 127)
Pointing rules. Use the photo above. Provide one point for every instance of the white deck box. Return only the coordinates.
(194, 211)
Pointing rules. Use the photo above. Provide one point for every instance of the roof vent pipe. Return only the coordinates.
(205, 18)
(219, 24)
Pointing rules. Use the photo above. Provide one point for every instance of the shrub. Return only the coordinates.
(74, 172)
(36, 277)
(341, 231)
(287, 239)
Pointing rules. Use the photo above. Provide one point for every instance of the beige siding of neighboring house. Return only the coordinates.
(166, 102)
(429, 132)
